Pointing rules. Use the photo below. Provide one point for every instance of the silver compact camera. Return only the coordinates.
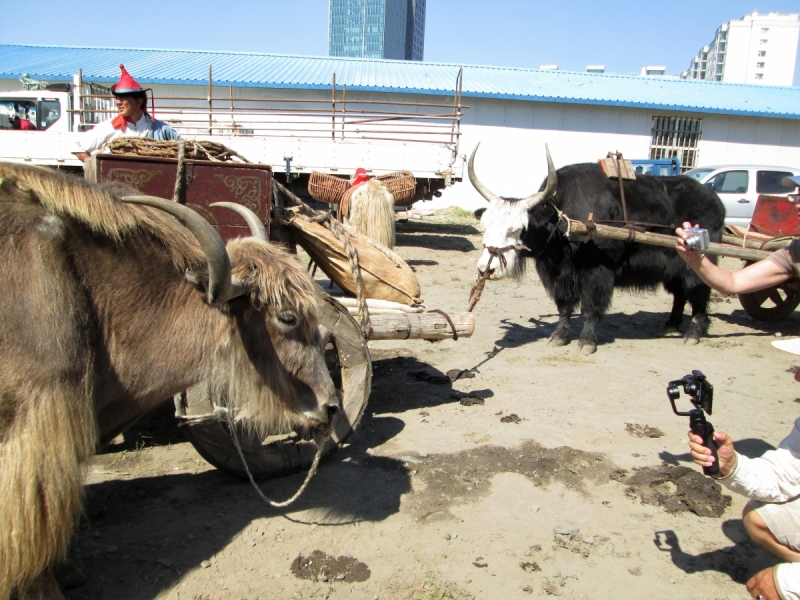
(698, 240)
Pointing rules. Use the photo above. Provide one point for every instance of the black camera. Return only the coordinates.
(701, 393)
(699, 239)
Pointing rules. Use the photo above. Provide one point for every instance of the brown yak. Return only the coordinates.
(108, 308)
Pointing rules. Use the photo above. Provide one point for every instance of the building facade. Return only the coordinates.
(393, 29)
(756, 49)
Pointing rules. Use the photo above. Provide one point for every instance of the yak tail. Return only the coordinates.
(372, 212)
(46, 434)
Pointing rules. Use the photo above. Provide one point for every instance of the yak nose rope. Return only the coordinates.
(323, 438)
(475, 294)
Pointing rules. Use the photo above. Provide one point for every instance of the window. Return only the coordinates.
(760, 65)
(769, 182)
(49, 113)
(672, 136)
(24, 109)
(759, 76)
(762, 52)
(729, 182)
(765, 30)
(762, 42)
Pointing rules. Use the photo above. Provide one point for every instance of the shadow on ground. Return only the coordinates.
(740, 561)
(139, 536)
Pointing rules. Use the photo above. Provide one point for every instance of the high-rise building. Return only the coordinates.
(759, 49)
(377, 29)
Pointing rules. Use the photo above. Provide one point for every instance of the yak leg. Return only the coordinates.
(689, 288)
(598, 287)
(698, 294)
(44, 587)
(560, 335)
(673, 324)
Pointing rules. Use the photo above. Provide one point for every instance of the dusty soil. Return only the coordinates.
(547, 473)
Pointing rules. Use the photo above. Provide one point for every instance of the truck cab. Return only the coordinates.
(657, 166)
(48, 110)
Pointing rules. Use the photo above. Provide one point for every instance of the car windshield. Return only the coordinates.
(698, 174)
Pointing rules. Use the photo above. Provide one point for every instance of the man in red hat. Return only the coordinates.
(132, 120)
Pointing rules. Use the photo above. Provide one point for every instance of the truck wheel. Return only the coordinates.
(351, 368)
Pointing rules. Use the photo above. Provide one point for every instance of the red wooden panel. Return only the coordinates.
(206, 182)
(775, 216)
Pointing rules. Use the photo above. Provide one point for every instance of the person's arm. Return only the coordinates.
(82, 156)
(758, 276)
(772, 477)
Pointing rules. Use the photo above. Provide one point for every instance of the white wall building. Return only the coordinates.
(757, 49)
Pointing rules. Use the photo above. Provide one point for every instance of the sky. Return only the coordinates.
(620, 34)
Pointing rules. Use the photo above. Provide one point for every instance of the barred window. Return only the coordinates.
(673, 136)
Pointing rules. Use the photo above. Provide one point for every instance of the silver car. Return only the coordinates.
(738, 186)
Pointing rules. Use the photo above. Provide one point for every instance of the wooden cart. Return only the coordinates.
(347, 353)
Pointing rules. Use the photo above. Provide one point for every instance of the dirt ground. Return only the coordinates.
(547, 473)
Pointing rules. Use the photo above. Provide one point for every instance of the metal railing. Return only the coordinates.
(343, 117)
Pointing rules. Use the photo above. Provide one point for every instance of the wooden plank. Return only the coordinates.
(421, 326)
(659, 239)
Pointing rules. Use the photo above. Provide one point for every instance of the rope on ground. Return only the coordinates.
(200, 149)
(321, 441)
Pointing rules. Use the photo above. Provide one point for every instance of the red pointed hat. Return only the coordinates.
(359, 177)
(126, 83)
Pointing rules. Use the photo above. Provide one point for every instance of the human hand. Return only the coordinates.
(762, 585)
(725, 452)
(690, 255)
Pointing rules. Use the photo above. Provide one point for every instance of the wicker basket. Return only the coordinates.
(326, 188)
(401, 184)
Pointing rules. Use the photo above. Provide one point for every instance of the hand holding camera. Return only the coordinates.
(698, 240)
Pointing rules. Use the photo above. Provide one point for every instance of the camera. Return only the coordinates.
(698, 240)
(701, 393)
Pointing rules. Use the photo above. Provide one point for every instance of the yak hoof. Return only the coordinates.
(671, 330)
(557, 341)
(691, 341)
(587, 348)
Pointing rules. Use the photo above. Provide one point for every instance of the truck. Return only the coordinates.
(294, 131)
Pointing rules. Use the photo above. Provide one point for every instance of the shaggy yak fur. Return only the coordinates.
(99, 322)
(372, 212)
(578, 271)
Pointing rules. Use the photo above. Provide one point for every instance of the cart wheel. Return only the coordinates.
(772, 304)
(351, 368)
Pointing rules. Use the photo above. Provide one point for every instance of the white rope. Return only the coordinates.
(325, 436)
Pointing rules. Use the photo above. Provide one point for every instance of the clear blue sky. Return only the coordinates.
(620, 34)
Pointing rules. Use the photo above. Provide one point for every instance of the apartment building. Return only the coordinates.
(756, 49)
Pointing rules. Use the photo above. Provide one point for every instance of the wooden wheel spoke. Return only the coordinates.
(775, 296)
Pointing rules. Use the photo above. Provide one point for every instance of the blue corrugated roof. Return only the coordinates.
(305, 72)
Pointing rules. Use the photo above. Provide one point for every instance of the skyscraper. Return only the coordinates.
(377, 29)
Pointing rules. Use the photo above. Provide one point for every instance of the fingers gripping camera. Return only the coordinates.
(698, 240)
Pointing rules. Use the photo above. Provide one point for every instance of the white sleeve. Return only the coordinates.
(773, 477)
(94, 139)
(787, 580)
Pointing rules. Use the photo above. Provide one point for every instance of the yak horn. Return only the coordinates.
(257, 229)
(482, 189)
(549, 189)
(220, 288)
